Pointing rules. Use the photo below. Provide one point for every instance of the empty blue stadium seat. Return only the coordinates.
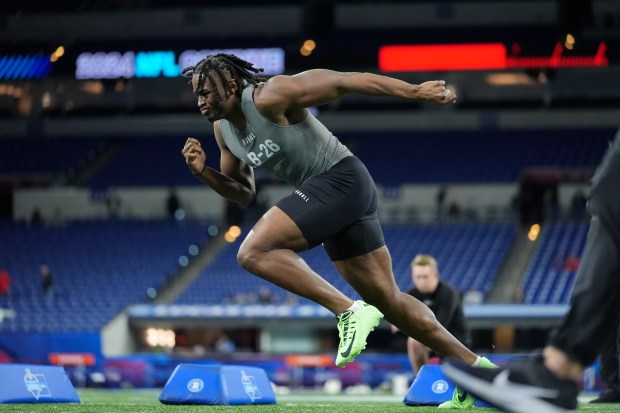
(469, 255)
(547, 280)
(491, 156)
(474, 156)
(46, 155)
(99, 268)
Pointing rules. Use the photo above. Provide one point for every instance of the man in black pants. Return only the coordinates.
(610, 372)
(550, 383)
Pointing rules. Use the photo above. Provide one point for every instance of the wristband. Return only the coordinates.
(200, 173)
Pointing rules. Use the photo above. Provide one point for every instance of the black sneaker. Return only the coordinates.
(610, 396)
(523, 387)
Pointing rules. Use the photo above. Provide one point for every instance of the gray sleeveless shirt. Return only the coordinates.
(293, 153)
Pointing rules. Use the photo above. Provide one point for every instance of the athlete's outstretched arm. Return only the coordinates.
(320, 86)
(236, 179)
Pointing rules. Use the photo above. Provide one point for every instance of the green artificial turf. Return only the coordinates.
(146, 401)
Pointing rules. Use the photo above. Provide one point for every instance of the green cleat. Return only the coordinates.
(460, 398)
(353, 328)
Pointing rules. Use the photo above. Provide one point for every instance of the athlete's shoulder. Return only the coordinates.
(217, 131)
(273, 87)
(217, 126)
(273, 98)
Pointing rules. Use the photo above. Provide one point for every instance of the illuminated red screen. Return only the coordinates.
(442, 57)
(477, 56)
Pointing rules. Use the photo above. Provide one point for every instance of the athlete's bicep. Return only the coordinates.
(311, 88)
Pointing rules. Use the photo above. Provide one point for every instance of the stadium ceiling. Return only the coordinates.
(531, 36)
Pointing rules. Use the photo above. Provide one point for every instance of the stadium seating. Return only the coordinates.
(549, 279)
(161, 156)
(99, 268)
(469, 256)
(50, 156)
(489, 156)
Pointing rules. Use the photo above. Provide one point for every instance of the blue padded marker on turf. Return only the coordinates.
(431, 388)
(217, 384)
(26, 383)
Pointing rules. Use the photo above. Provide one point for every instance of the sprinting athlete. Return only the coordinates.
(266, 124)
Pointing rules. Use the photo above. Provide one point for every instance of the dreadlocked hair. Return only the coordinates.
(222, 64)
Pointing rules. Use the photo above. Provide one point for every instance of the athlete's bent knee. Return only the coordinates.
(248, 257)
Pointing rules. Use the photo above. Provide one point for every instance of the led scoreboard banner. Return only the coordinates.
(150, 64)
(480, 56)
(391, 58)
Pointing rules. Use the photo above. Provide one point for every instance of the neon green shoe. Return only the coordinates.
(353, 328)
(460, 398)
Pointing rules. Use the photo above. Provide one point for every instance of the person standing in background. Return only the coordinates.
(173, 204)
(5, 282)
(47, 281)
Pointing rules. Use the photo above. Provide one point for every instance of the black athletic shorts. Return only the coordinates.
(338, 209)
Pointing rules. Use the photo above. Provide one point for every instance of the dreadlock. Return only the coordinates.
(220, 65)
